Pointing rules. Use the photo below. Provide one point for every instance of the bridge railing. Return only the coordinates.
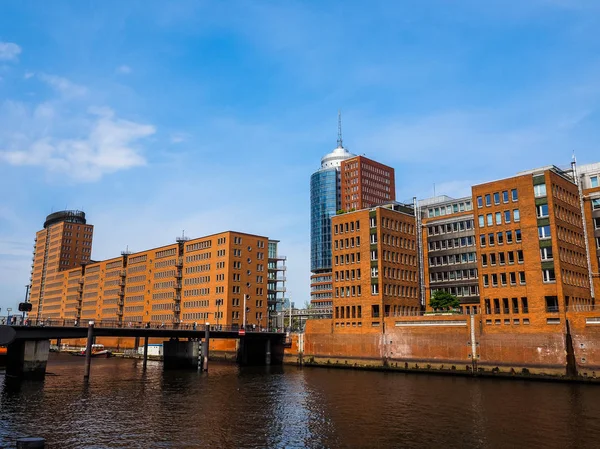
(59, 322)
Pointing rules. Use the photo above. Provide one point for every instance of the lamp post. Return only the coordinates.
(219, 302)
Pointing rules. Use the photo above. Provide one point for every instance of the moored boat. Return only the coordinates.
(97, 351)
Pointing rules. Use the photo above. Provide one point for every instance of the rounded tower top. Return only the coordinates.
(335, 158)
(72, 216)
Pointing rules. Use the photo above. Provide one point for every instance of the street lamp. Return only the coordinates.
(219, 302)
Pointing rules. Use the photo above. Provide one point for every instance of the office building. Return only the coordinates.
(344, 182)
(375, 266)
(532, 254)
(450, 250)
(64, 243)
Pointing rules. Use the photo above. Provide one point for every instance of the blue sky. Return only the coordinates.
(156, 117)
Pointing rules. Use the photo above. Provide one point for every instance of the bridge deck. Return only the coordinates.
(8, 334)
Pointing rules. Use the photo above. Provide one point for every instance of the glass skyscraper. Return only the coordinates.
(325, 201)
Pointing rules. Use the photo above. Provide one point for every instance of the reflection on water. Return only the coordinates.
(123, 406)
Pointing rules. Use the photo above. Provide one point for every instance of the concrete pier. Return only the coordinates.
(180, 354)
(27, 359)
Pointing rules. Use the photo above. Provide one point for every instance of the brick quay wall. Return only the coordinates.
(445, 344)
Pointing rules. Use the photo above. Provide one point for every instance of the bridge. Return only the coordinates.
(187, 346)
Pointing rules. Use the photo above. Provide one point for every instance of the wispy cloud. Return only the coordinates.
(179, 137)
(9, 51)
(108, 143)
(124, 69)
(63, 85)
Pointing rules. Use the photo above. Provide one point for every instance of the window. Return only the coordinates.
(509, 237)
(514, 194)
(484, 260)
(479, 201)
(496, 198)
(539, 190)
(494, 280)
(490, 219)
(492, 259)
(505, 196)
(517, 235)
(513, 279)
(486, 281)
(498, 218)
(544, 232)
(597, 223)
(594, 181)
(481, 221)
(502, 258)
(488, 200)
(482, 241)
(546, 253)
(516, 215)
(506, 216)
(503, 279)
(491, 239)
(542, 210)
(522, 277)
(500, 238)
(511, 257)
(596, 203)
(520, 256)
(548, 275)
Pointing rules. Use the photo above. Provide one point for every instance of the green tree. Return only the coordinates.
(442, 300)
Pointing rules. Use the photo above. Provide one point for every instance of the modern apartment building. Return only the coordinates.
(375, 268)
(276, 280)
(344, 182)
(532, 256)
(450, 250)
(221, 279)
(64, 243)
(366, 183)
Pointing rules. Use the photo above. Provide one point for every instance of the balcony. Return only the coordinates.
(121, 293)
(178, 285)
(121, 303)
(178, 274)
(81, 280)
(80, 290)
(177, 308)
(121, 283)
(177, 298)
(120, 312)
(179, 262)
(123, 273)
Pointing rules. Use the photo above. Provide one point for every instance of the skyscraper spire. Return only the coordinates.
(339, 141)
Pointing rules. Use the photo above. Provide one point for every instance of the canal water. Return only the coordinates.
(289, 407)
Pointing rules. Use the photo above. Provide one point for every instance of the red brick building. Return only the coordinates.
(366, 183)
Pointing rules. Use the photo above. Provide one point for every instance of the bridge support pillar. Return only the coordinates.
(27, 359)
(180, 354)
(268, 352)
(205, 349)
(145, 363)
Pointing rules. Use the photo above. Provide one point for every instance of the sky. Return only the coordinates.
(158, 118)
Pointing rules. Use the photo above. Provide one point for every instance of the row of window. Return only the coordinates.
(347, 258)
(504, 278)
(451, 243)
(461, 291)
(496, 218)
(447, 228)
(499, 238)
(506, 306)
(504, 195)
(449, 209)
(346, 243)
(346, 227)
(347, 275)
(453, 275)
(501, 259)
(452, 259)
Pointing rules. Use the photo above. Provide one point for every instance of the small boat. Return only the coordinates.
(97, 351)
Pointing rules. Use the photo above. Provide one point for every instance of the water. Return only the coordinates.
(290, 407)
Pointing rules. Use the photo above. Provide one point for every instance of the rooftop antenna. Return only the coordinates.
(339, 139)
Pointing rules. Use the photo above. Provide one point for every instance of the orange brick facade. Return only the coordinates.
(65, 242)
(531, 258)
(375, 270)
(200, 280)
(366, 183)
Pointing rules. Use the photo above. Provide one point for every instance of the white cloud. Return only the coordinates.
(124, 69)
(28, 75)
(108, 144)
(63, 85)
(9, 51)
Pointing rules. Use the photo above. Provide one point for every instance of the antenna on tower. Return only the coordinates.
(339, 140)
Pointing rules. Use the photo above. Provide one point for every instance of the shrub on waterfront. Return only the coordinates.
(442, 300)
